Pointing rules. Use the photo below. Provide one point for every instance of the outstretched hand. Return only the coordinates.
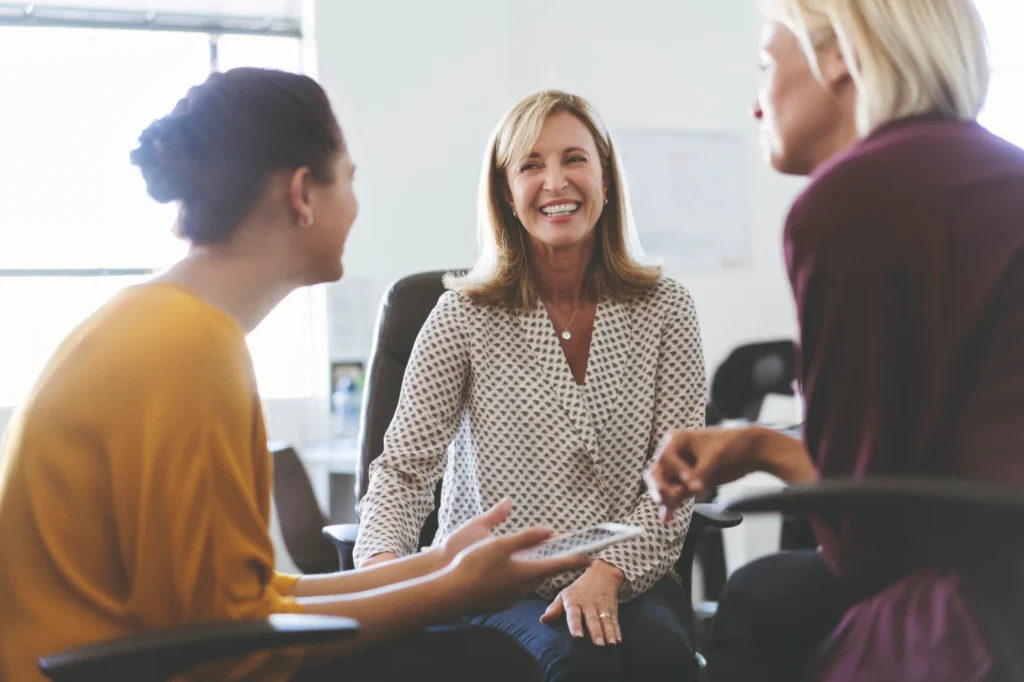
(690, 462)
(478, 528)
(492, 573)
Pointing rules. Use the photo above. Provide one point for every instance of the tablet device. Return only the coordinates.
(586, 541)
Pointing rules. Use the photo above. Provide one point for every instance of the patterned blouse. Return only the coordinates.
(489, 402)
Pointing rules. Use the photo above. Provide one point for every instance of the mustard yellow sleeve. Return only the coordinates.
(200, 548)
(284, 583)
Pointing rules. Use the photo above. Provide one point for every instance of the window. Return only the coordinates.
(1004, 20)
(76, 224)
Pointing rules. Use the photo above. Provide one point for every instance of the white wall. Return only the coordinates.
(419, 86)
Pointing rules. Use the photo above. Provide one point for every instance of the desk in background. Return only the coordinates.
(333, 467)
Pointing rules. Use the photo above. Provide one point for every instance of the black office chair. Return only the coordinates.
(403, 310)
(164, 654)
(299, 514)
(974, 528)
(738, 389)
(747, 375)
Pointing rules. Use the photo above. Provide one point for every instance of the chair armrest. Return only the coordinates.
(343, 535)
(705, 516)
(708, 515)
(161, 655)
(891, 496)
(932, 513)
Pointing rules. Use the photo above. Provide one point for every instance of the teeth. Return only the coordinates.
(558, 210)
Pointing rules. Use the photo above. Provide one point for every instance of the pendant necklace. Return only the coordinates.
(565, 330)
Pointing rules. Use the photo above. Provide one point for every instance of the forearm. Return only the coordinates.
(392, 511)
(386, 613)
(370, 578)
(646, 559)
(783, 456)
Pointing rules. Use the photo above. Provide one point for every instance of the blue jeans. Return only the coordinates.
(655, 641)
(453, 653)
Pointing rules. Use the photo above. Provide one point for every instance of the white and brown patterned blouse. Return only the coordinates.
(489, 402)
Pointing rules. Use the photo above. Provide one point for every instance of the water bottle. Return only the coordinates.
(347, 403)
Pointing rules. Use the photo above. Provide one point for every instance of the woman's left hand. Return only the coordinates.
(476, 529)
(594, 599)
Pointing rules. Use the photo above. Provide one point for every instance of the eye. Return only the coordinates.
(528, 166)
(577, 159)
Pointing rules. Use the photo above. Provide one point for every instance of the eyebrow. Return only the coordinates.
(567, 150)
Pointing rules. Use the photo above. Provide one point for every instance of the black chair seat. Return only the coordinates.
(163, 654)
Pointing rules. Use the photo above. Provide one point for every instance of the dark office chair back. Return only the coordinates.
(403, 310)
(740, 383)
(749, 373)
(299, 514)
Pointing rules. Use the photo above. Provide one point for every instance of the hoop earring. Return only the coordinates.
(306, 221)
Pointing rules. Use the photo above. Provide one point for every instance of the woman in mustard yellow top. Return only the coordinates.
(135, 478)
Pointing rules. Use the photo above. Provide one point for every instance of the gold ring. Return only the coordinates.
(605, 615)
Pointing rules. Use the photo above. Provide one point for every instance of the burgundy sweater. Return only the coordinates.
(906, 258)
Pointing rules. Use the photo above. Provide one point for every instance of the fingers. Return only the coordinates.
(667, 494)
(618, 630)
(610, 624)
(497, 514)
(546, 567)
(554, 611)
(524, 539)
(675, 458)
(574, 618)
(661, 487)
(671, 478)
(594, 626)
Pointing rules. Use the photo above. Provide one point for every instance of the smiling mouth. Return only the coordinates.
(561, 210)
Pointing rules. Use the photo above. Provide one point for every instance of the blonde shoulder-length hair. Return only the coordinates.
(905, 57)
(503, 274)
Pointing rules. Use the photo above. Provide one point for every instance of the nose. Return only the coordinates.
(756, 111)
(554, 178)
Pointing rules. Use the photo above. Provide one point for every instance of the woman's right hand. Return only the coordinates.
(690, 462)
(489, 576)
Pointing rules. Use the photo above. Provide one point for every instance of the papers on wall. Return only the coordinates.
(351, 309)
(689, 196)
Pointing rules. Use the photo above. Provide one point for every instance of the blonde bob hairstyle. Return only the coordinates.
(905, 57)
(503, 274)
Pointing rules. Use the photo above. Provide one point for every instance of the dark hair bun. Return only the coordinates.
(161, 158)
(215, 151)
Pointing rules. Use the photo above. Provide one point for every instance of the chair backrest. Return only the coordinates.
(749, 373)
(403, 310)
(299, 514)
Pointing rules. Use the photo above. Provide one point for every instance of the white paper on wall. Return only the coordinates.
(689, 196)
(350, 316)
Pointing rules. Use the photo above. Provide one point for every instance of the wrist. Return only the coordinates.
(437, 557)
(781, 456)
(460, 590)
(607, 570)
(378, 558)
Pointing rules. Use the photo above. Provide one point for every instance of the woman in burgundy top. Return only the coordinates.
(906, 258)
